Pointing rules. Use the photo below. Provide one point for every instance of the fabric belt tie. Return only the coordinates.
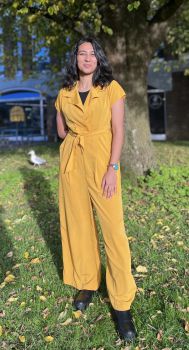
(78, 139)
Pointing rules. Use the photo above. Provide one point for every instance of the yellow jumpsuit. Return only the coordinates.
(84, 155)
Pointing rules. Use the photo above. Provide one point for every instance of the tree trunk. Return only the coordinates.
(130, 50)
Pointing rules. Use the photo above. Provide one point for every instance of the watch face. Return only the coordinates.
(115, 166)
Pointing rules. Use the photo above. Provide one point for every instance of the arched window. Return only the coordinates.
(22, 114)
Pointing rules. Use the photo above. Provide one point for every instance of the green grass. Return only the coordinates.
(156, 216)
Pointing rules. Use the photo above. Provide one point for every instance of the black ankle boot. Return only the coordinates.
(83, 299)
(125, 325)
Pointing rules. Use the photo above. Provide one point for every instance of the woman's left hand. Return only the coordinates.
(109, 183)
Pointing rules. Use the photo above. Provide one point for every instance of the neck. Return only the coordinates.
(85, 82)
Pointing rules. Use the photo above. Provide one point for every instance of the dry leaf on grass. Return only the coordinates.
(49, 338)
(42, 298)
(1, 331)
(9, 254)
(26, 255)
(67, 322)
(77, 314)
(98, 318)
(9, 278)
(16, 266)
(2, 285)
(22, 304)
(39, 289)
(131, 239)
(12, 299)
(35, 261)
(2, 313)
(159, 335)
(22, 338)
(141, 269)
(62, 315)
(186, 327)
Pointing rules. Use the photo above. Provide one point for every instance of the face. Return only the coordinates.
(86, 59)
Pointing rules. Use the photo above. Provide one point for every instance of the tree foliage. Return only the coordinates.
(56, 24)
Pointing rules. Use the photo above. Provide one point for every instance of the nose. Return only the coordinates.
(87, 57)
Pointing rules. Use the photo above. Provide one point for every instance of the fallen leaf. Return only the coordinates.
(35, 261)
(39, 289)
(180, 243)
(100, 317)
(9, 254)
(154, 245)
(1, 331)
(23, 303)
(118, 342)
(9, 278)
(140, 290)
(2, 285)
(141, 269)
(12, 299)
(68, 321)
(42, 298)
(77, 314)
(22, 338)
(186, 327)
(159, 335)
(26, 255)
(2, 313)
(131, 239)
(49, 338)
(166, 228)
(45, 313)
(62, 315)
(16, 266)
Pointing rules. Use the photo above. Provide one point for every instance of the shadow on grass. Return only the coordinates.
(45, 211)
(6, 263)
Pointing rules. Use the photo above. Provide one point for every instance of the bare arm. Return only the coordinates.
(109, 181)
(62, 128)
(118, 114)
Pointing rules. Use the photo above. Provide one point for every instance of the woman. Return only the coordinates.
(90, 119)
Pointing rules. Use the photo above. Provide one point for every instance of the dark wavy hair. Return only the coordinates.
(103, 73)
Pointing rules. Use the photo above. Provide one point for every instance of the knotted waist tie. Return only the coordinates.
(78, 139)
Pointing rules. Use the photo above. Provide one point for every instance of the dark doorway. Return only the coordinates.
(156, 103)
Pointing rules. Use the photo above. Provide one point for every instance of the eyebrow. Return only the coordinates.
(85, 51)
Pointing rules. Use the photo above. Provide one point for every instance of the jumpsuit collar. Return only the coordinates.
(75, 99)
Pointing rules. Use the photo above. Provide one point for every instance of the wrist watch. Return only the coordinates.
(115, 166)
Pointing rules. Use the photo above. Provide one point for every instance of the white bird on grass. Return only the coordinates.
(35, 159)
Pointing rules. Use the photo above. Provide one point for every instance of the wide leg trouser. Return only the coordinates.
(79, 191)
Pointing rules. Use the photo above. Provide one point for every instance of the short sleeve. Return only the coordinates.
(116, 92)
(58, 101)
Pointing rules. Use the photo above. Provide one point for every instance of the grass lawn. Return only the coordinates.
(36, 308)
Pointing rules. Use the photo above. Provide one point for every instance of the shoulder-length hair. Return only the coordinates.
(103, 73)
